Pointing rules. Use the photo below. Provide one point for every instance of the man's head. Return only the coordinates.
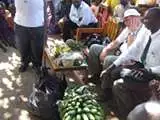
(151, 19)
(146, 111)
(76, 3)
(2, 8)
(132, 19)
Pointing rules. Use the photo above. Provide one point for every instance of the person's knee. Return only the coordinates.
(109, 60)
(95, 49)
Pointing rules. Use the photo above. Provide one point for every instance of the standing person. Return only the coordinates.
(80, 15)
(120, 9)
(62, 13)
(29, 32)
(134, 90)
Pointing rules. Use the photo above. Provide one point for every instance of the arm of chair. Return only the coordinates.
(87, 30)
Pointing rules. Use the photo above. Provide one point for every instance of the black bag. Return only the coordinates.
(96, 39)
(46, 92)
(124, 72)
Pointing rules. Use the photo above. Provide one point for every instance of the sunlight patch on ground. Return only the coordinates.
(1, 92)
(12, 98)
(9, 67)
(6, 66)
(7, 115)
(4, 103)
(11, 64)
(8, 83)
(24, 115)
(11, 81)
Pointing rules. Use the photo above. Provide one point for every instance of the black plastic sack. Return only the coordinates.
(96, 39)
(46, 92)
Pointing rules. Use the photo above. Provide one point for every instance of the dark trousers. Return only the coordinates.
(69, 26)
(30, 41)
(129, 95)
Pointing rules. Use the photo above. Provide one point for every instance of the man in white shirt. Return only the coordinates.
(104, 54)
(135, 89)
(80, 15)
(29, 31)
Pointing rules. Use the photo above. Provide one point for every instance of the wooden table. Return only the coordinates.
(48, 60)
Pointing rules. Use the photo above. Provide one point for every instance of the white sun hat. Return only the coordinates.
(131, 12)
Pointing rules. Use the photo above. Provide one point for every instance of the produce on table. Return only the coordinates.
(75, 45)
(64, 56)
(57, 47)
(70, 59)
(79, 104)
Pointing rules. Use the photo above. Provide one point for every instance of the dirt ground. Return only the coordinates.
(15, 87)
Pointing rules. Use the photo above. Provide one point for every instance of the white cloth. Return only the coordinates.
(84, 12)
(137, 48)
(29, 13)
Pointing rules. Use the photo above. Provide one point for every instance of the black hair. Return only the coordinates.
(156, 12)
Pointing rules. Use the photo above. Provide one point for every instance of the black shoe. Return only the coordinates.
(23, 68)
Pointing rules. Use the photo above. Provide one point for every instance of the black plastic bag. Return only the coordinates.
(46, 92)
(96, 39)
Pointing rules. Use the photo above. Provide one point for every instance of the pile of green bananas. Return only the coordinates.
(79, 104)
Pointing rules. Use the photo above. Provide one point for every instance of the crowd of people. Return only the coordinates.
(129, 78)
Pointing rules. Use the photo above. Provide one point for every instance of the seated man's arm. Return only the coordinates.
(115, 44)
(107, 49)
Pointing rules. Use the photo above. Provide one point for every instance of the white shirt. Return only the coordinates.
(84, 12)
(123, 37)
(137, 48)
(29, 13)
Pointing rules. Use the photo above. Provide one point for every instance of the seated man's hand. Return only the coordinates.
(141, 74)
(106, 73)
(106, 76)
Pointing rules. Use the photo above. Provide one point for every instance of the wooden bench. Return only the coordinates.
(110, 28)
